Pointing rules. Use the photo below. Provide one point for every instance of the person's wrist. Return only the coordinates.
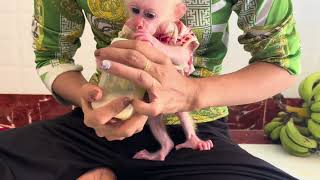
(192, 95)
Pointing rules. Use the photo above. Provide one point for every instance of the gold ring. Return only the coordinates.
(147, 67)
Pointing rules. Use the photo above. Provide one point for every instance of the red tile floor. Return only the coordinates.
(245, 121)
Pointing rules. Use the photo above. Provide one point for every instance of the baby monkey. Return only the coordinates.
(158, 22)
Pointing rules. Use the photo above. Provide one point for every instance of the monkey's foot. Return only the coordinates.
(156, 156)
(195, 143)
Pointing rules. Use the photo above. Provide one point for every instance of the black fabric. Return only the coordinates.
(64, 148)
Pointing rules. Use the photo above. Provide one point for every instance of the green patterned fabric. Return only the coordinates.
(268, 34)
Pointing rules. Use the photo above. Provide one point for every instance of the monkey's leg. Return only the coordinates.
(158, 129)
(192, 140)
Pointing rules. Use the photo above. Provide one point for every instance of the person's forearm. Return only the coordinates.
(253, 83)
(68, 84)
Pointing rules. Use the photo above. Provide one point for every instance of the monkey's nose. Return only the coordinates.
(139, 24)
(139, 27)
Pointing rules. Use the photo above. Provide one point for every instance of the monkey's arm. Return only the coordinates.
(178, 54)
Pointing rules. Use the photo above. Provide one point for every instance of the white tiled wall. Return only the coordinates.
(17, 74)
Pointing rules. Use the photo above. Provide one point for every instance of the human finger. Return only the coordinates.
(100, 131)
(139, 77)
(133, 125)
(126, 128)
(87, 111)
(91, 92)
(94, 94)
(153, 54)
(140, 36)
(128, 57)
(85, 105)
(100, 116)
(151, 109)
(143, 37)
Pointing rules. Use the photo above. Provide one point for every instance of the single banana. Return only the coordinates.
(298, 138)
(316, 92)
(315, 107)
(314, 128)
(295, 153)
(297, 120)
(278, 119)
(300, 88)
(290, 146)
(307, 86)
(282, 114)
(303, 130)
(315, 117)
(268, 128)
(275, 134)
(317, 97)
(302, 112)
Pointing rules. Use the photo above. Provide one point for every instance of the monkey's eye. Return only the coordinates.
(135, 10)
(150, 15)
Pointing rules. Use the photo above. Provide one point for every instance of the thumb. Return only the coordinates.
(92, 92)
(149, 109)
(95, 94)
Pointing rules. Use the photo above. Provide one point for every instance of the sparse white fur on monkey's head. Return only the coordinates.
(174, 9)
(149, 15)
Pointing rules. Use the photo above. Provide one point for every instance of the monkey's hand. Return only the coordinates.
(143, 36)
(179, 55)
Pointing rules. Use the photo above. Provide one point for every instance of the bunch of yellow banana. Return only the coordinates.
(295, 142)
(309, 88)
(293, 134)
(309, 91)
(272, 129)
(298, 128)
(314, 121)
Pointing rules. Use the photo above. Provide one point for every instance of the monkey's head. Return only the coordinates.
(147, 15)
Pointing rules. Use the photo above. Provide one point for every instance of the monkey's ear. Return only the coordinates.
(180, 10)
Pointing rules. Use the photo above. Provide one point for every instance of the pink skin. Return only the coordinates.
(138, 22)
(144, 29)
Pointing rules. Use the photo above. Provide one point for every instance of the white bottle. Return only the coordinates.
(114, 87)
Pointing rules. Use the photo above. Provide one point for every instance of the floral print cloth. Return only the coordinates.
(174, 34)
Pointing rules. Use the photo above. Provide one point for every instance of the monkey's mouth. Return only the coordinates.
(140, 31)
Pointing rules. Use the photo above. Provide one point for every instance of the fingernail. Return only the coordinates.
(97, 52)
(105, 64)
(91, 99)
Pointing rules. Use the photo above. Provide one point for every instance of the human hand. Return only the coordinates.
(147, 37)
(101, 119)
(168, 90)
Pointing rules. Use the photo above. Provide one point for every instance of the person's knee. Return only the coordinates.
(98, 174)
